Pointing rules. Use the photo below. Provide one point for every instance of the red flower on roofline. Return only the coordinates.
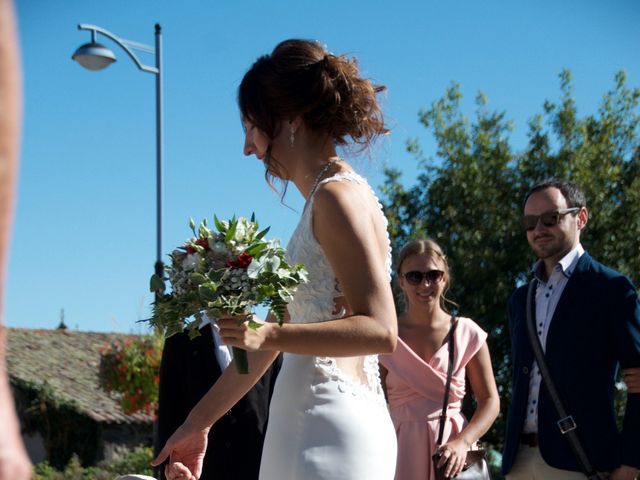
(130, 370)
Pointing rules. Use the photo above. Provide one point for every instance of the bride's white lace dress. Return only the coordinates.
(328, 418)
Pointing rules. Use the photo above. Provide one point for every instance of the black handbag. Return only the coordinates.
(475, 465)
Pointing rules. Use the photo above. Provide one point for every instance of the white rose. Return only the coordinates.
(241, 231)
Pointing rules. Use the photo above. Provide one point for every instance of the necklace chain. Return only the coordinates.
(324, 170)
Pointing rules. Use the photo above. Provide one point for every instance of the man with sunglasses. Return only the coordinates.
(587, 318)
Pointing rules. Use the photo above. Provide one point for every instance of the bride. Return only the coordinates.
(328, 416)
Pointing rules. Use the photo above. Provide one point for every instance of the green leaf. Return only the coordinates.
(198, 278)
(233, 224)
(208, 291)
(279, 310)
(253, 325)
(241, 360)
(218, 224)
(156, 284)
(256, 250)
(261, 235)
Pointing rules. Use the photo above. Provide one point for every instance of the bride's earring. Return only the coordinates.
(292, 137)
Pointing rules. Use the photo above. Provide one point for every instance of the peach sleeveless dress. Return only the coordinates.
(415, 391)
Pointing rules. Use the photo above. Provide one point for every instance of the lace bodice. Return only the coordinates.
(314, 301)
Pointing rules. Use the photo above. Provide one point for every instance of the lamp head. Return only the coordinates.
(94, 56)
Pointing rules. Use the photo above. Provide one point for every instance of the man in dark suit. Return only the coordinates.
(587, 317)
(187, 371)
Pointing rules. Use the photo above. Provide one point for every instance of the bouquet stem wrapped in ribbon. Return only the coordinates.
(226, 271)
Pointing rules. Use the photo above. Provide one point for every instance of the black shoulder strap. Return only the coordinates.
(566, 424)
(447, 387)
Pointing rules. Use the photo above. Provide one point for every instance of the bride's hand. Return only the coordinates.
(185, 450)
(250, 336)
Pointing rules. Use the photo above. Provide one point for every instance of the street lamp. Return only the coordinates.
(95, 56)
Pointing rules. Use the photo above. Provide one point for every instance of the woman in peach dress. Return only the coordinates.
(416, 372)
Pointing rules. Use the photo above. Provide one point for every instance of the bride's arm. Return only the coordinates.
(188, 444)
(344, 226)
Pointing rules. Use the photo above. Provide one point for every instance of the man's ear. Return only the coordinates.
(583, 218)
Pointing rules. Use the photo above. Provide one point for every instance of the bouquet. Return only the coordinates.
(226, 271)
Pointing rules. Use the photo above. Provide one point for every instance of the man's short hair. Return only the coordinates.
(572, 193)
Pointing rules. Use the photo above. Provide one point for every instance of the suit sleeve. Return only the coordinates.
(627, 338)
(171, 399)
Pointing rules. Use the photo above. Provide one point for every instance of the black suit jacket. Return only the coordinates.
(594, 330)
(187, 371)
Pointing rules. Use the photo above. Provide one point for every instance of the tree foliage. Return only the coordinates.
(468, 197)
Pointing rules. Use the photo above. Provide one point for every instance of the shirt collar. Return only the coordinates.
(566, 265)
(569, 262)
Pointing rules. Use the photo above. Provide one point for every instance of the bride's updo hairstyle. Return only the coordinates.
(300, 78)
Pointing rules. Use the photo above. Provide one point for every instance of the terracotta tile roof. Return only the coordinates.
(69, 361)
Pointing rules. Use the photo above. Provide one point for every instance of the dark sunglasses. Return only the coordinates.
(414, 277)
(548, 219)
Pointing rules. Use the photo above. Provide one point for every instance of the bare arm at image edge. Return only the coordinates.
(14, 462)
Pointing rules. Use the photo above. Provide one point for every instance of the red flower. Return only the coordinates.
(242, 261)
(203, 242)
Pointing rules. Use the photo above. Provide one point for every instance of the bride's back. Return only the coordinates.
(322, 298)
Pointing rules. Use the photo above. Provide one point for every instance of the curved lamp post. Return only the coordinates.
(95, 56)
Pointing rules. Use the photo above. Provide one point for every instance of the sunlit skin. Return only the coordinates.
(424, 327)
(551, 244)
(255, 141)
(14, 461)
(348, 226)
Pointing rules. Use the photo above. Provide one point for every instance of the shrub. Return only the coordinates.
(131, 368)
(137, 461)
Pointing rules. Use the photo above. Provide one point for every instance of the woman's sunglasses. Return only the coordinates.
(548, 219)
(415, 277)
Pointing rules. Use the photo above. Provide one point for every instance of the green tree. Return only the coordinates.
(468, 197)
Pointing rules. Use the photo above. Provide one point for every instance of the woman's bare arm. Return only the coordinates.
(348, 237)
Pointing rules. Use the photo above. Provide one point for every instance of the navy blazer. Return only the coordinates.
(187, 371)
(594, 330)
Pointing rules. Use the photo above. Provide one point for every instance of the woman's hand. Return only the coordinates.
(250, 335)
(454, 454)
(185, 450)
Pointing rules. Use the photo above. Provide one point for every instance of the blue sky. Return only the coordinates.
(84, 233)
